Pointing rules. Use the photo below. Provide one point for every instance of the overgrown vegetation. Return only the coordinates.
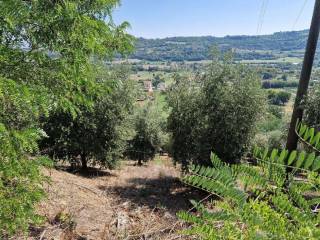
(312, 111)
(47, 48)
(61, 98)
(273, 198)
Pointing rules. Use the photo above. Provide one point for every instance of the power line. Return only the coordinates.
(299, 14)
(260, 14)
(263, 10)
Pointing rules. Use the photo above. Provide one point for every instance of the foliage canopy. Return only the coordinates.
(46, 54)
(225, 101)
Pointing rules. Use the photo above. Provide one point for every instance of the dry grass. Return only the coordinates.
(130, 203)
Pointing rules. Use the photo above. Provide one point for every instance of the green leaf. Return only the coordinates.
(311, 134)
(302, 129)
(265, 154)
(256, 151)
(292, 157)
(316, 164)
(306, 135)
(300, 160)
(316, 139)
(309, 160)
(283, 156)
(274, 154)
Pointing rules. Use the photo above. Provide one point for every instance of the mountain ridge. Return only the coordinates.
(247, 47)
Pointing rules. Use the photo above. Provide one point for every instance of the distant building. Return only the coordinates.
(161, 86)
(148, 86)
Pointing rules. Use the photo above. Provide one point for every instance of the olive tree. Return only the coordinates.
(98, 134)
(215, 111)
(149, 125)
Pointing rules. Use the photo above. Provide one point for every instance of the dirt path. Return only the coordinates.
(130, 203)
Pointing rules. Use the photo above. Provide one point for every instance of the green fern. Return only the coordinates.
(309, 136)
(255, 201)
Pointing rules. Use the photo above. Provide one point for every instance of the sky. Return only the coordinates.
(167, 18)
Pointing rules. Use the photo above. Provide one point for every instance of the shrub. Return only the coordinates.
(279, 84)
(262, 201)
(97, 134)
(312, 110)
(150, 133)
(278, 97)
(226, 101)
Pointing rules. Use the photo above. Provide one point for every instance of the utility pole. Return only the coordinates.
(297, 113)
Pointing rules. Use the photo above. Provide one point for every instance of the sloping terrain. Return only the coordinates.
(130, 203)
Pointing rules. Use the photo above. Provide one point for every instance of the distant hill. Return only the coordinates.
(280, 44)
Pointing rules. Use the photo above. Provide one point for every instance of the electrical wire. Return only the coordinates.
(263, 10)
(299, 14)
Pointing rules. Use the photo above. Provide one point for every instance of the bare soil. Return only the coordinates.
(129, 203)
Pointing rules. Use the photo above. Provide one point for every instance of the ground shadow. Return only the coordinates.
(90, 172)
(164, 192)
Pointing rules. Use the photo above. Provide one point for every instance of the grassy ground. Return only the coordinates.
(129, 203)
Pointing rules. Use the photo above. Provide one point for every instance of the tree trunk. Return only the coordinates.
(139, 162)
(297, 113)
(84, 161)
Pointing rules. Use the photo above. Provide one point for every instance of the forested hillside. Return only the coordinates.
(284, 44)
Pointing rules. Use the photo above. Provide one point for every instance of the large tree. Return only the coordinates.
(216, 111)
(46, 53)
(97, 134)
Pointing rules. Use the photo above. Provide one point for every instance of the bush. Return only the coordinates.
(226, 101)
(279, 84)
(273, 198)
(312, 110)
(98, 134)
(278, 97)
(149, 124)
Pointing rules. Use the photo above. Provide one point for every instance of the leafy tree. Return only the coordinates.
(183, 124)
(150, 133)
(267, 75)
(226, 100)
(46, 54)
(20, 176)
(156, 80)
(284, 77)
(98, 134)
(278, 97)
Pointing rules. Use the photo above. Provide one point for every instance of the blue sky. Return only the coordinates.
(166, 18)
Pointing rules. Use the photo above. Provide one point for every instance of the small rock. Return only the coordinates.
(122, 221)
(168, 215)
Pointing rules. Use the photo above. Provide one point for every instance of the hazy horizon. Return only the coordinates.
(170, 18)
(245, 35)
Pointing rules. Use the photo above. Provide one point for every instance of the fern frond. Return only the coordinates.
(309, 136)
(300, 161)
